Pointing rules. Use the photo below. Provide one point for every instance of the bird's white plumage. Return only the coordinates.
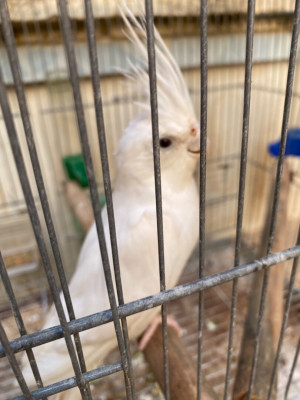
(174, 102)
(135, 216)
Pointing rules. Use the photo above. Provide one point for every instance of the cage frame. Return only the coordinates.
(118, 313)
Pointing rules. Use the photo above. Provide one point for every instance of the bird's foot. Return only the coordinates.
(152, 328)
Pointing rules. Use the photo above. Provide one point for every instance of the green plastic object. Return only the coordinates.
(75, 169)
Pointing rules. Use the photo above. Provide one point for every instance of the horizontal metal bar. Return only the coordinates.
(14, 364)
(146, 303)
(71, 382)
(19, 320)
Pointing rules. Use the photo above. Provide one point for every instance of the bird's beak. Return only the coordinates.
(194, 141)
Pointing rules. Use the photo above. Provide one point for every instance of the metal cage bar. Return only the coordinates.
(157, 180)
(19, 321)
(35, 221)
(284, 321)
(146, 303)
(14, 364)
(285, 118)
(202, 200)
(120, 311)
(242, 182)
(106, 176)
(15, 67)
(54, 333)
(74, 78)
(45, 127)
(70, 383)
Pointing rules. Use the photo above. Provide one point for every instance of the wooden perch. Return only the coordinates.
(79, 204)
(277, 274)
(183, 377)
(273, 313)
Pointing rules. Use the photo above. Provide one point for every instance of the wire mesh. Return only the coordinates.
(45, 80)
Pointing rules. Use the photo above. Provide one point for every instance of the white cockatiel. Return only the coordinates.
(135, 215)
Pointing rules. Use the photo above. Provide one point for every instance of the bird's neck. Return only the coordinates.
(145, 185)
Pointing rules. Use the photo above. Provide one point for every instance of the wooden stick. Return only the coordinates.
(273, 311)
(281, 241)
(79, 204)
(183, 377)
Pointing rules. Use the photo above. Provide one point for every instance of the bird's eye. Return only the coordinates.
(165, 142)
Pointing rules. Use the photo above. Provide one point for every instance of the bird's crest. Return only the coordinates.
(175, 107)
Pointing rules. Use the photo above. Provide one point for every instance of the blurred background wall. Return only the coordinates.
(50, 101)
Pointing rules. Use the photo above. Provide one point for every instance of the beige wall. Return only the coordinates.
(225, 126)
(103, 8)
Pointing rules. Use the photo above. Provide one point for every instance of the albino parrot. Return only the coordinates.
(135, 215)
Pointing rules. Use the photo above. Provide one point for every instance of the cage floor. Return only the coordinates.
(215, 337)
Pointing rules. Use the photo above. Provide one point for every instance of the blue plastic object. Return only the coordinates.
(292, 144)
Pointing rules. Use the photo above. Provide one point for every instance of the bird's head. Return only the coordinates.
(179, 151)
(179, 131)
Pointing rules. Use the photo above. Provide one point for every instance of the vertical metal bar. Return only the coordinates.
(31, 62)
(69, 47)
(15, 67)
(13, 363)
(284, 321)
(157, 177)
(72, 254)
(19, 320)
(203, 140)
(286, 112)
(106, 175)
(63, 103)
(80, 54)
(35, 221)
(242, 180)
(288, 385)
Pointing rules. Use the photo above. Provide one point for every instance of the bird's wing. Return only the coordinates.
(138, 253)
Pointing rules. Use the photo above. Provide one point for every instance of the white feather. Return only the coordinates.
(174, 101)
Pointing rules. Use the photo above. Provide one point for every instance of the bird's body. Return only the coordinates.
(136, 226)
